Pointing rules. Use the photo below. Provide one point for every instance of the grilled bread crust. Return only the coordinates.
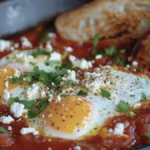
(128, 19)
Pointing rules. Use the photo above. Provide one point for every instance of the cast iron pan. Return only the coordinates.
(19, 15)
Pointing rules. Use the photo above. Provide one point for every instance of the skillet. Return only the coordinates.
(19, 15)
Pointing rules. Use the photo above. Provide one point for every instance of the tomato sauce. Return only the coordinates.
(134, 131)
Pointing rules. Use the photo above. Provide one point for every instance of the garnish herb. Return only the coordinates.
(38, 109)
(17, 79)
(112, 51)
(4, 149)
(3, 130)
(143, 97)
(95, 43)
(27, 104)
(132, 95)
(39, 52)
(82, 93)
(64, 95)
(147, 134)
(123, 107)
(95, 40)
(104, 93)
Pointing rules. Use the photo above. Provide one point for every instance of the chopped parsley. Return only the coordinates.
(38, 108)
(113, 52)
(27, 104)
(104, 93)
(82, 93)
(123, 107)
(95, 41)
(147, 135)
(3, 130)
(143, 97)
(17, 79)
(132, 95)
(64, 95)
(39, 52)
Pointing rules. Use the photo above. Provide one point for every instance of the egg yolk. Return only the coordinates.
(5, 73)
(71, 114)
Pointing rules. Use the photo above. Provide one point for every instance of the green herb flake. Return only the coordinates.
(147, 135)
(38, 109)
(4, 149)
(95, 40)
(104, 93)
(132, 95)
(123, 107)
(28, 104)
(144, 97)
(3, 130)
(122, 51)
(64, 95)
(111, 51)
(16, 79)
(39, 52)
(82, 93)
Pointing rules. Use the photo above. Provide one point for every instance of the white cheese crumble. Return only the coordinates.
(17, 109)
(17, 73)
(48, 47)
(68, 49)
(98, 56)
(71, 75)
(6, 95)
(29, 130)
(119, 128)
(6, 119)
(77, 148)
(80, 63)
(135, 63)
(9, 128)
(4, 45)
(43, 94)
(6, 84)
(136, 105)
(25, 42)
(32, 92)
(55, 56)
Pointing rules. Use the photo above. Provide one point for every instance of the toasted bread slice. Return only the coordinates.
(108, 18)
(141, 50)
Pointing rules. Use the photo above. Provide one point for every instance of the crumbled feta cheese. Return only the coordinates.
(119, 128)
(58, 98)
(9, 128)
(17, 109)
(70, 76)
(25, 42)
(137, 105)
(6, 84)
(16, 45)
(48, 47)
(128, 66)
(17, 73)
(4, 45)
(68, 49)
(43, 94)
(5, 70)
(77, 148)
(6, 95)
(29, 130)
(98, 56)
(135, 63)
(80, 63)
(55, 56)
(51, 35)
(32, 92)
(6, 119)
